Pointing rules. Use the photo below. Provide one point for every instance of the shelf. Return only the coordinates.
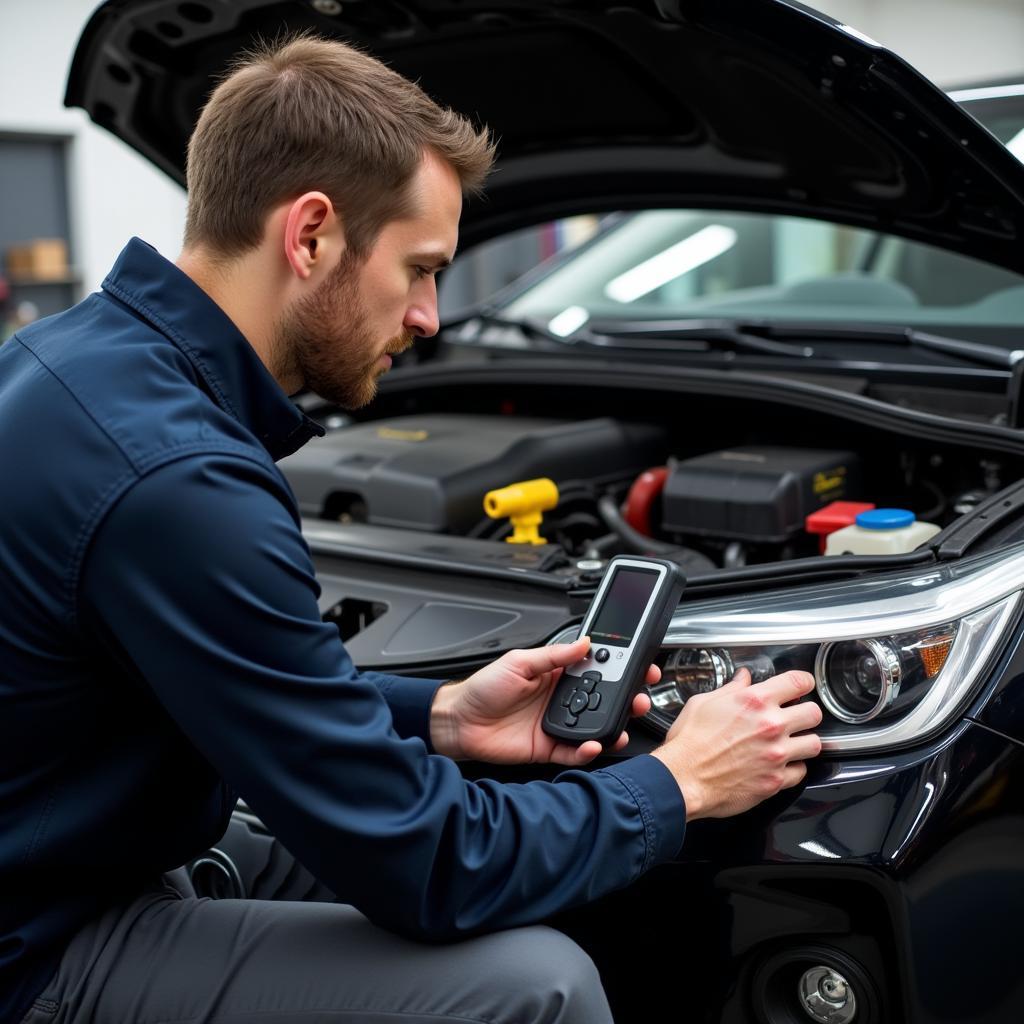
(42, 282)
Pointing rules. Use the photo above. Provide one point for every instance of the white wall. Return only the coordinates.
(950, 41)
(114, 193)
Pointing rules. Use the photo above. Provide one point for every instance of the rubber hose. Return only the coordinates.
(692, 562)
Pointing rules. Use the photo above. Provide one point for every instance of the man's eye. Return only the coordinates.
(423, 271)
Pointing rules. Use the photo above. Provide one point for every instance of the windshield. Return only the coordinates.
(700, 264)
(676, 264)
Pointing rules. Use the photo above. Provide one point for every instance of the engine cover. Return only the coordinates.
(757, 494)
(432, 472)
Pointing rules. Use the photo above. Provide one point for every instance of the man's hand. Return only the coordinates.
(495, 715)
(735, 747)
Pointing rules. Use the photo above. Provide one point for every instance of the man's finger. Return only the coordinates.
(566, 753)
(642, 704)
(653, 675)
(536, 660)
(740, 680)
(802, 748)
(793, 774)
(802, 716)
(786, 686)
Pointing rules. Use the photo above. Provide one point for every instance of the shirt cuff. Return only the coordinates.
(660, 802)
(410, 699)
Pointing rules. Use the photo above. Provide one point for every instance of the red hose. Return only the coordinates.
(642, 495)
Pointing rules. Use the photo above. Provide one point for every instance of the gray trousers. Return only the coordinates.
(169, 957)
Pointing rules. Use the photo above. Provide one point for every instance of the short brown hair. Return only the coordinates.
(316, 114)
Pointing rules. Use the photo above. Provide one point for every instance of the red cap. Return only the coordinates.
(835, 516)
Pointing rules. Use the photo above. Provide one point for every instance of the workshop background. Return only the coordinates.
(71, 195)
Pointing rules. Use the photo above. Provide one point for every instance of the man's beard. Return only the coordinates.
(327, 342)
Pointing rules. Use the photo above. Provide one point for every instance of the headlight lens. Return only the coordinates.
(895, 658)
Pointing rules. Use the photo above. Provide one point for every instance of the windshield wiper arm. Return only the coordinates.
(654, 334)
(763, 337)
(527, 326)
(970, 351)
(711, 334)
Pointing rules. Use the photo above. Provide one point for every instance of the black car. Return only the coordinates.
(805, 298)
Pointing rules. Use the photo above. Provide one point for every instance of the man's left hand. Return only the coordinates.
(495, 715)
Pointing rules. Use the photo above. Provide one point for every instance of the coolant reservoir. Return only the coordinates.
(881, 531)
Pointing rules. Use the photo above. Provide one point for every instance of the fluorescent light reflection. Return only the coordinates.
(1016, 145)
(681, 258)
(857, 34)
(817, 849)
(568, 321)
(992, 92)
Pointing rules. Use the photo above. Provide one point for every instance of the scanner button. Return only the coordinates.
(567, 698)
(587, 685)
(601, 654)
(594, 702)
(570, 719)
(596, 676)
(578, 702)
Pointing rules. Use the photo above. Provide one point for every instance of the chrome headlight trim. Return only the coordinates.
(982, 595)
(851, 609)
(888, 662)
(977, 639)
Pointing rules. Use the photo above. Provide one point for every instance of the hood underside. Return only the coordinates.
(730, 104)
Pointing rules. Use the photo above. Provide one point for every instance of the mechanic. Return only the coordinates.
(161, 649)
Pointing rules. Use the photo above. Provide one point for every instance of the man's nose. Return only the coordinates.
(421, 318)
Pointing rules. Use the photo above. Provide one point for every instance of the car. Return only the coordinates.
(803, 303)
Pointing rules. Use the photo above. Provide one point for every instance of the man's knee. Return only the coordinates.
(546, 967)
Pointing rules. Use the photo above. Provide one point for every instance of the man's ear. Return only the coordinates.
(313, 238)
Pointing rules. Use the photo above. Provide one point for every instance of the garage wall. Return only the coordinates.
(950, 41)
(113, 193)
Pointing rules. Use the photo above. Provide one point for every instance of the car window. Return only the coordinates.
(667, 264)
(670, 264)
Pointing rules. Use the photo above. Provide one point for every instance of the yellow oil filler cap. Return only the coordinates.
(523, 503)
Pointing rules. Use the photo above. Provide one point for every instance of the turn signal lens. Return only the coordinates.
(933, 654)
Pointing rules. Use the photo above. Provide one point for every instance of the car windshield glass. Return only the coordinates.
(708, 264)
(676, 264)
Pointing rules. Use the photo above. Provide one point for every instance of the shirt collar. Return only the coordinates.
(237, 379)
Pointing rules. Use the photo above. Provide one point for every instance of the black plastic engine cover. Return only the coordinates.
(432, 472)
(755, 493)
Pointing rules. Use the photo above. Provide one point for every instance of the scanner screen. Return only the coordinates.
(623, 605)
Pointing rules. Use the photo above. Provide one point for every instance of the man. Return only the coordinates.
(162, 649)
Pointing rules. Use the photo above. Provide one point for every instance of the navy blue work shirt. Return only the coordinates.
(161, 651)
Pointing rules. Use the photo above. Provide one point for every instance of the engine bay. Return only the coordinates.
(623, 486)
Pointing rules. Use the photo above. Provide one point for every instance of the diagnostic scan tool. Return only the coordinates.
(626, 623)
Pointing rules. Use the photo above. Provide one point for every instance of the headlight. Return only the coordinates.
(896, 658)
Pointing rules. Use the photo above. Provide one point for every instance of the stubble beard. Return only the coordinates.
(326, 341)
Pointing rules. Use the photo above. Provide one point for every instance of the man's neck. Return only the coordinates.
(241, 288)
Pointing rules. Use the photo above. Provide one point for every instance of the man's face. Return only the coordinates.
(341, 338)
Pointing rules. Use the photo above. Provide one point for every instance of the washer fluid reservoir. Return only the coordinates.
(881, 531)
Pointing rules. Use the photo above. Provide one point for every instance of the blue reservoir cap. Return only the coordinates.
(885, 518)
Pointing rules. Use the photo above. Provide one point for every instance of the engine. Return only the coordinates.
(620, 488)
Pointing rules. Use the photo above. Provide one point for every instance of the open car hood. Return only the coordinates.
(740, 104)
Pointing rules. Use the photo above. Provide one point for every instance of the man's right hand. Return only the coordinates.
(735, 747)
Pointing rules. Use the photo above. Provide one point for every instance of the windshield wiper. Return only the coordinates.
(795, 340)
(473, 322)
(664, 335)
(705, 335)
(908, 337)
